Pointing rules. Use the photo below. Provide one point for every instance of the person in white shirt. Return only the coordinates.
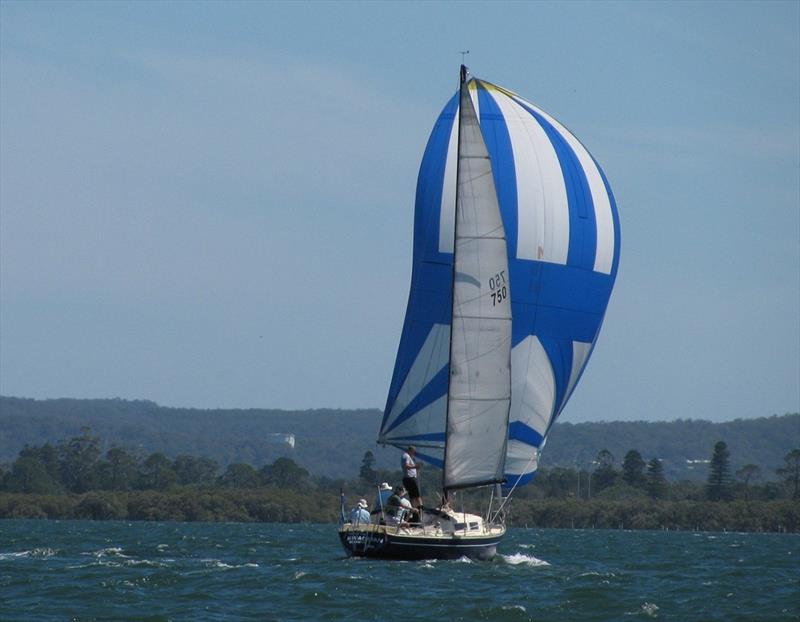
(410, 465)
(360, 513)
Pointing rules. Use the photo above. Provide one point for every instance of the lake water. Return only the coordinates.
(81, 570)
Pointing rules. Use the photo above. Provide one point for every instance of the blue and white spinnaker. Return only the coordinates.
(562, 232)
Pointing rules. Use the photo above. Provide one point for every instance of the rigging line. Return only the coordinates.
(511, 492)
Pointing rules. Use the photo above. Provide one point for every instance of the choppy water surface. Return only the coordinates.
(76, 570)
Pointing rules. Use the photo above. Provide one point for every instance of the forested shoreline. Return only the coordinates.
(280, 506)
(74, 479)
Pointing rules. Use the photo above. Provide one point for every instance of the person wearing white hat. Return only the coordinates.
(360, 514)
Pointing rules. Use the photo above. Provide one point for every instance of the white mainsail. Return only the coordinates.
(479, 393)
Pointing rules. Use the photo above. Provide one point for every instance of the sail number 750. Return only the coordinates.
(497, 287)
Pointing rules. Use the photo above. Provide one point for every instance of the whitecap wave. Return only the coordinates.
(16, 555)
(38, 553)
(514, 608)
(520, 558)
(648, 609)
(594, 573)
(216, 563)
(148, 563)
(111, 551)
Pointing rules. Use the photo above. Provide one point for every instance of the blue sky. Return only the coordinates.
(210, 205)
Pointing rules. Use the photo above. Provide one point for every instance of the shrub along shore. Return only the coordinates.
(275, 505)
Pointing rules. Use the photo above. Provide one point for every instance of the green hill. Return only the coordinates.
(332, 442)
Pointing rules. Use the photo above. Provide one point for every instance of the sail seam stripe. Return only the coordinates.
(480, 317)
(487, 236)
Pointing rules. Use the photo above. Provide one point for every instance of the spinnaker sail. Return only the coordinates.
(562, 252)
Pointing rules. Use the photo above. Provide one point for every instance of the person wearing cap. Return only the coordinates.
(360, 514)
(398, 508)
(409, 465)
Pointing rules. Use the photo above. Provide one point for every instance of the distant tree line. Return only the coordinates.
(74, 479)
(332, 442)
(638, 478)
(78, 466)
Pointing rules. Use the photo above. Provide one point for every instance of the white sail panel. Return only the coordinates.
(604, 255)
(521, 458)
(424, 429)
(479, 392)
(580, 354)
(543, 229)
(432, 357)
(472, 87)
(472, 453)
(447, 212)
(534, 385)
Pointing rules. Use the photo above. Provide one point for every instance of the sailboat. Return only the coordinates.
(516, 250)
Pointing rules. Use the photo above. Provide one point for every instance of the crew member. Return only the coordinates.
(410, 466)
(360, 514)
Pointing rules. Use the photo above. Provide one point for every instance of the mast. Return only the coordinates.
(479, 382)
(462, 80)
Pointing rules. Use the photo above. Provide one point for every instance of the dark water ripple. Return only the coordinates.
(81, 570)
